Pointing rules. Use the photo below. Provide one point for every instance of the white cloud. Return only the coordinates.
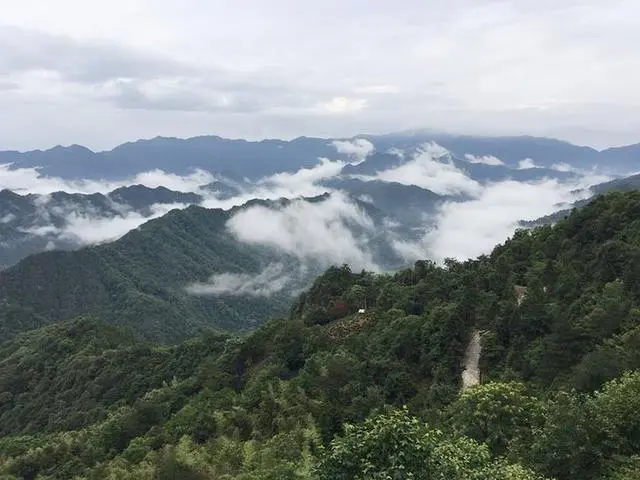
(30, 180)
(90, 228)
(566, 69)
(430, 169)
(42, 230)
(486, 159)
(304, 177)
(273, 279)
(181, 183)
(301, 183)
(313, 232)
(563, 167)
(378, 89)
(343, 105)
(358, 148)
(472, 228)
(527, 164)
(366, 199)
(8, 218)
(397, 152)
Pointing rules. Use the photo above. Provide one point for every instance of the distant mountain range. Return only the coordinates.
(165, 278)
(480, 172)
(241, 158)
(34, 223)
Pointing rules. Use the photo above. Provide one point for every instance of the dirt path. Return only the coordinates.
(471, 373)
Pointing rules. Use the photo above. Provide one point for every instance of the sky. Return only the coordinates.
(101, 73)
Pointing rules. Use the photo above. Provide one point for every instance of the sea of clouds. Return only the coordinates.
(322, 233)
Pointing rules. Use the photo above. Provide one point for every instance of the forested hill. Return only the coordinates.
(555, 401)
(140, 280)
(32, 223)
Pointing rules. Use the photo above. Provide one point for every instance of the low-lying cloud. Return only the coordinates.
(431, 169)
(305, 182)
(527, 164)
(273, 279)
(90, 228)
(30, 180)
(302, 182)
(317, 234)
(358, 148)
(472, 228)
(485, 159)
(321, 232)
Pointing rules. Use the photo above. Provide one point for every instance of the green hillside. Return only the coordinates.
(330, 393)
(140, 280)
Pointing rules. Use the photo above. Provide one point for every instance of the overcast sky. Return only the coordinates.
(100, 73)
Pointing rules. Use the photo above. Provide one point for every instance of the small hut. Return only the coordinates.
(521, 292)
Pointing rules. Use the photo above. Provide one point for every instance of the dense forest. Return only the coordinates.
(139, 281)
(328, 392)
(142, 280)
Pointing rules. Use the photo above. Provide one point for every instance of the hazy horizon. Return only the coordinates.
(98, 149)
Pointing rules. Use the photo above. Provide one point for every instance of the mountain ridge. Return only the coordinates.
(31, 223)
(255, 159)
(141, 279)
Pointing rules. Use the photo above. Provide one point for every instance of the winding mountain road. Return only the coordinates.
(471, 373)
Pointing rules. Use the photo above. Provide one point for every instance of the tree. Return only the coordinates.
(618, 407)
(356, 297)
(571, 444)
(395, 445)
(496, 414)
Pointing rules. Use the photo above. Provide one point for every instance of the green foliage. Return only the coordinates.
(67, 375)
(496, 414)
(140, 281)
(559, 398)
(397, 445)
(618, 406)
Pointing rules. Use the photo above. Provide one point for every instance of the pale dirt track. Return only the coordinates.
(471, 373)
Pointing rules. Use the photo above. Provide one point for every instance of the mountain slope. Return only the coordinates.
(624, 183)
(51, 369)
(410, 205)
(273, 404)
(628, 155)
(141, 198)
(140, 280)
(35, 223)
